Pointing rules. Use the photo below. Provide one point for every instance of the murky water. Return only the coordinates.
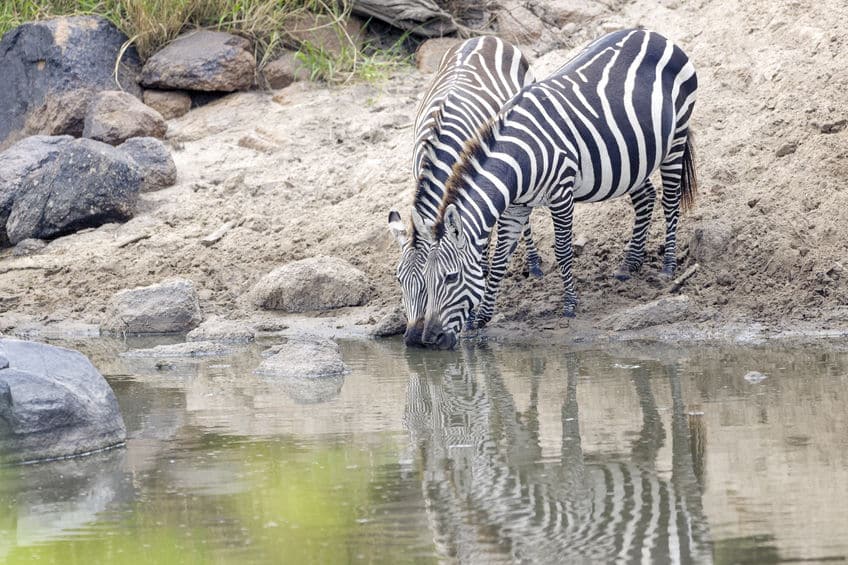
(488, 454)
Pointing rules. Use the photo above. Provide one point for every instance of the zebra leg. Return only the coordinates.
(643, 203)
(562, 214)
(534, 262)
(671, 171)
(510, 226)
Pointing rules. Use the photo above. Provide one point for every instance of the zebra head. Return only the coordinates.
(454, 281)
(410, 271)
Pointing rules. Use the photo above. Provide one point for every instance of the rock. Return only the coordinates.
(662, 311)
(227, 331)
(154, 161)
(28, 247)
(561, 12)
(167, 307)
(517, 24)
(53, 403)
(202, 60)
(429, 54)
(189, 349)
(81, 183)
(304, 359)
(755, 377)
(320, 32)
(709, 240)
(16, 163)
(317, 283)
(787, 149)
(833, 127)
(392, 323)
(114, 117)
(284, 70)
(51, 68)
(170, 103)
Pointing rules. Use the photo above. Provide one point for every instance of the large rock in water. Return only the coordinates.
(16, 163)
(51, 69)
(168, 307)
(114, 117)
(154, 160)
(202, 60)
(317, 283)
(72, 184)
(310, 371)
(53, 403)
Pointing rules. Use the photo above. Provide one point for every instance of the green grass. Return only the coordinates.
(151, 24)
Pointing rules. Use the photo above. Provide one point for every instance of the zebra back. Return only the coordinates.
(475, 79)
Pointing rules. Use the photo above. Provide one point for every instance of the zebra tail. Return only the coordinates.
(688, 180)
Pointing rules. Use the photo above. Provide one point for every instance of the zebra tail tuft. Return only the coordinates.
(688, 180)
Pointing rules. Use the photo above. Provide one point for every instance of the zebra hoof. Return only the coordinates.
(622, 275)
(535, 271)
(667, 273)
(570, 311)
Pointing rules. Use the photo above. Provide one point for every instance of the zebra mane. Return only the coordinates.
(473, 151)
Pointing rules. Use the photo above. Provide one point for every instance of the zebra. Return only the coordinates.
(595, 129)
(473, 82)
(488, 489)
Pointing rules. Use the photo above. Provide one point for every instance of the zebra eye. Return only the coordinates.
(451, 278)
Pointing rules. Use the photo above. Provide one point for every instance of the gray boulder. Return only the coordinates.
(29, 247)
(662, 311)
(79, 183)
(202, 60)
(391, 323)
(16, 163)
(53, 403)
(170, 103)
(168, 307)
(309, 371)
(225, 331)
(317, 283)
(154, 162)
(50, 70)
(114, 117)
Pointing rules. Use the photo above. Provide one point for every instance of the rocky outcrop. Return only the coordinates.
(662, 311)
(71, 184)
(317, 283)
(202, 60)
(226, 331)
(114, 117)
(52, 68)
(153, 160)
(170, 103)
(168, 307)
(53, 403)
(16, 163)
(429, 54)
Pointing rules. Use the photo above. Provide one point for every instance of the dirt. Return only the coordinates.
(313, 169)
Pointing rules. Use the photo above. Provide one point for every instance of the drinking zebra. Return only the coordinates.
(474, 80)
(595, 129)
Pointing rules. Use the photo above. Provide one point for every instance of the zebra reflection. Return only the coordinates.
(490, 495)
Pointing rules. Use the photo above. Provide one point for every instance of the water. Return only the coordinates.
(489, 454)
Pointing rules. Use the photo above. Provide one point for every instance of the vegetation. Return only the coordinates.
(151, 24)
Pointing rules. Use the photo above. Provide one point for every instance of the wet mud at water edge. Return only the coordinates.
(492, 453)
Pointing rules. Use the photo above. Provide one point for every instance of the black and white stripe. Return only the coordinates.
(595, 129)
(490, 493)
(473, 82)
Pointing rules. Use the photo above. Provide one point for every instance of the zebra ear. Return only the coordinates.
(453, 226)
(422, 228)
(397, 227)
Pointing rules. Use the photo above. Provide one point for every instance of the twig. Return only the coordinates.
(687, 274)
(132, 239)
